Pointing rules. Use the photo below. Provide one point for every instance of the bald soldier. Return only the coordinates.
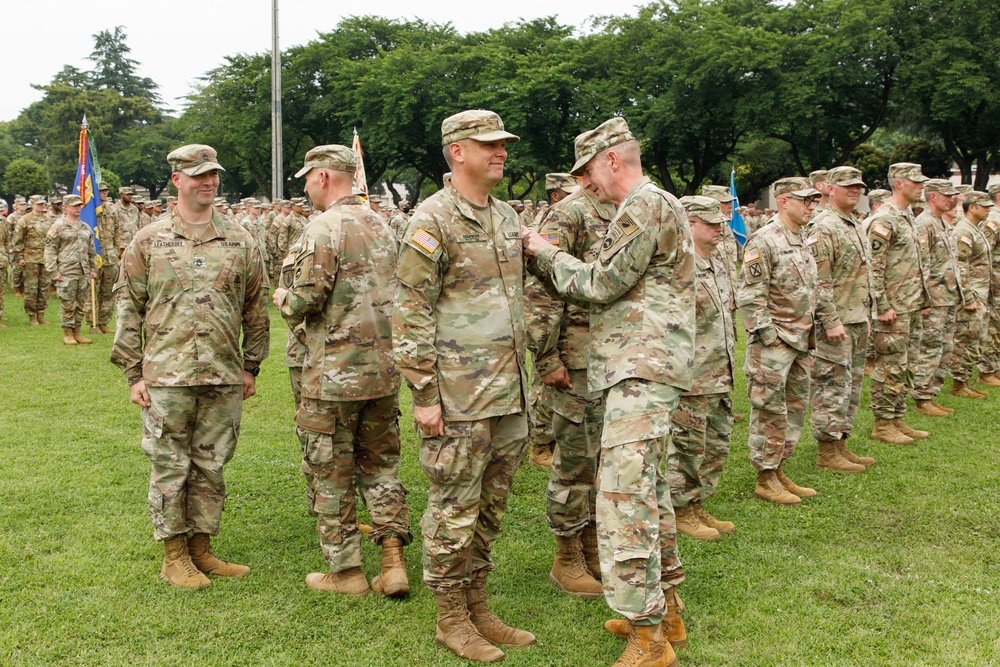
(642, 323)
(568, 412)
(188, 285)
(460, 341)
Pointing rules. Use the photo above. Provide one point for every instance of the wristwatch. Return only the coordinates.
(252, 371)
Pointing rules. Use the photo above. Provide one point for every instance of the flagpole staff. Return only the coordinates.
(93, 306)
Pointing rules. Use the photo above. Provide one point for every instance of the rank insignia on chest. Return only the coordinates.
(552, 237)
(425, 241)
(199, 262)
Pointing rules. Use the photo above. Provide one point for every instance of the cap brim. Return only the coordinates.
(717, 219)
(581, 163)
(203, 168)
(496, 136)
(918, 179)
(808, 192)
(853, 181)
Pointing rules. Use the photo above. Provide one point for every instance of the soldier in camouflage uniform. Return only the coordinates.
(341, 278)
(460, 340)
(642, 322)
(777, 299)
(989, 359)
(128, 213)
(5, 243)
(186, 286)
(937, 246)
(29, 249)
(17, 271)
(284, 208)
(71, 260)
(899, 295)
(568, 412)
(112, 240)
(703, 423)
(291, 228)
(820, 181)
(401, 219)
(843, 308)
(975, 271)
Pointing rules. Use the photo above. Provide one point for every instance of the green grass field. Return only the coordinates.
(896, 566)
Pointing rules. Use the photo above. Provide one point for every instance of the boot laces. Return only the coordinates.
(633, 653)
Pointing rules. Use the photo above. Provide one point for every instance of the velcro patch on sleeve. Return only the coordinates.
(812, 239)
(551, 237)
(425, 241)
(751, 255)
(967, 240)
(882, 231)
(992, 225)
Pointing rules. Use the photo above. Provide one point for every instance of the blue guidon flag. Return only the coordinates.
(85, 185)
(736, 223)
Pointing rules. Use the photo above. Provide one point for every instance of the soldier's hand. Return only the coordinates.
(429, 419)
(279, 294)
(533, 243)
(57, 278)
(93, 275)
(888, 317)
(558, 379)
(838, 334)
(972, 306)
(137, 394)
(20, 262)
(249, 385)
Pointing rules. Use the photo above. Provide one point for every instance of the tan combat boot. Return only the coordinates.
(851, 456)
(349, 582)
(724, 527)
(456, 631)
(929, 408)
(673, 626)
(68, 338)
(569, 570)
(909, 431)
(104, 328)
(689, 524)
(942, 408)
(769, 488)
(541, 455)
(885, 431)
(33, 320)
(41, 318)
(828, 456)
(963, 390)
(200, 548)
(588, 540)
(487, 623)
(364, 528)
(392, 582)
(792, 487)
(177, 568)
(989, 379)
(647, 647)
(79, 337)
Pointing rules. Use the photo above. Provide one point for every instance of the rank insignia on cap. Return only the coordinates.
(751, 256)
(882, 231)
(967, 240)
(552, 237)
(425, 241)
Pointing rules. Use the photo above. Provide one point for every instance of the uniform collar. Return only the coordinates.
(218, 224)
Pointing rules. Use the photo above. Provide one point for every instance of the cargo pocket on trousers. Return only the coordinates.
(763, 386)
(445, 459)
(152, 423)
(328, 506)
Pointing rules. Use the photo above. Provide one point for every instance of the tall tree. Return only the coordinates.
(113, 69)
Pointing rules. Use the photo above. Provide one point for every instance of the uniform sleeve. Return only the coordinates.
(752, 291)
(545, 313)
(414, 323)
(311, 274)
(17, 244)
(256, 321)
(826, 305)
(51, 254)
(881, 232)
(964, 244)
(131, 296)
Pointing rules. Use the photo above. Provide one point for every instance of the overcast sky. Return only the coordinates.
(178, 41)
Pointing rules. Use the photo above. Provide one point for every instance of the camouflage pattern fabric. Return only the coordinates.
(539, 413)
(892, 379)
(700, 437)
(343, 441)
(189, 434)
(69, 249)
(778, 378)
(399, 222)
(931, 358)
(837, 377)
(36, 281)
(989, 361)
(128, 221)
(289, 232)
(975, 270)
(74, 297)
(29, 238)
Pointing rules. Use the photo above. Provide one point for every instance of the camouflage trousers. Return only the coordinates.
(17, 275)
(838, 373)
(295, 377)
(700, 435)
(969, 337)
(3, 285)
(989, 360)
(892, 378)
(189, 434)
(102, 290)
(778, 387)
(36, 282)
(469, 472)
(74, 295)
(539, 413)
(343, 441)
(577, 422)
(636, 528)
(933, 351)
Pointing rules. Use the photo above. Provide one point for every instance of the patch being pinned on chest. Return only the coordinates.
(425, 241)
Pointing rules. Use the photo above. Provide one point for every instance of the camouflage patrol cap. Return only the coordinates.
(907, 170)
(126, 191)
(72, 200)
(606, 135)
(155, 202)
(298, 201)
(845, 176)
(978, 197)
(818, 176)
(330, 156)
(478, 124)
(940, 185)
(194, 160)
(964, 188)
(719, 193)
(219, 201)
(19, 200)
(879, 195)
(564, 182)
(796, 186)
(171, 199)
(55, 200)
(993, 189)
(251, 201)
(706, 209)
(103, 186)
(36, 199)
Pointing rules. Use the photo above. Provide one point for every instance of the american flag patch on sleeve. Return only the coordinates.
(425, 241)
(552, 237)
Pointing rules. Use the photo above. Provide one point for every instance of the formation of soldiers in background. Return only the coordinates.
(908, 292)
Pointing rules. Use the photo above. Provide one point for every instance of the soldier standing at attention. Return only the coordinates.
(187, 285)
(642, 323)
(703, 423)
(899, 294)
(4, 258)
(820, 181)
(71, 260)
(459, 331)
(843, 307)
(29, 253)
(989, 359)
(567, 411)
(127, 212)
(400, 221)
(112, 245)
(777, 299)
(975, 270)
(342, 279)
(17, 271)
(933, 352)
